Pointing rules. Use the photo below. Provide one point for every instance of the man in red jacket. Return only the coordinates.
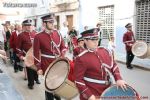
(92, 68)
(51, 46)
(129, 40)
(13, 44)
(24, 43)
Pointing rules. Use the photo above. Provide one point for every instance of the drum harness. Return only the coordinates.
(54, 46)
(107, 79)
(31, 39)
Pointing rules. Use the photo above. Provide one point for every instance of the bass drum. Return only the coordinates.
(29, 59)
(115, 93)
(56, 79)
(141, 49)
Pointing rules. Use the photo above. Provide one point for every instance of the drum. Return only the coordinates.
(2, 52)
(56, 79)
(29, 59)
(141, 49)
(115, 93)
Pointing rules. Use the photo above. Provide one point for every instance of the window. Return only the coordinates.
(143, 20)
(106, 16)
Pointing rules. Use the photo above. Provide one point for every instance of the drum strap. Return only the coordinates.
(24, 52)
(96, 81)
(48, 56)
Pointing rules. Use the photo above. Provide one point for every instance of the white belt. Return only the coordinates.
(48, 56)
(95, 80)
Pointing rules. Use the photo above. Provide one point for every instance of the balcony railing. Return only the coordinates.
(61, 2)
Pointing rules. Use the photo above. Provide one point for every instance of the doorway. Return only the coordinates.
(70, 21)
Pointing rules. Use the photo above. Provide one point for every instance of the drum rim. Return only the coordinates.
(135, 92)
(48, 69)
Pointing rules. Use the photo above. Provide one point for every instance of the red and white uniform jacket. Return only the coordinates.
(47, 47)
(90, 71)
(13, 40)
(128, 40)
(24, 42)
(77, 51)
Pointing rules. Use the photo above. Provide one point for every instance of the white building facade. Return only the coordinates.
(66, 11)
(36, 13)
(114, 15)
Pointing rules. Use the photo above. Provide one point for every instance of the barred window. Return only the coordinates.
(106, 16)
(143, 20)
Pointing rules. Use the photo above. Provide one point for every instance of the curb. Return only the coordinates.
(137, 66)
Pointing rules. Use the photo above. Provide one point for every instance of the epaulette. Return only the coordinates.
(82, 53)
(110, 53)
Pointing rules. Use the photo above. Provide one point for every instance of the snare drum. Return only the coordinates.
(141, 49)
(56, 79)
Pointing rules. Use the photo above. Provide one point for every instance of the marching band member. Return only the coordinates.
(76, 51)
(79, 48)
(13, 43)
(92, 68)
(129, 40)
(51, 45)
(24, 43)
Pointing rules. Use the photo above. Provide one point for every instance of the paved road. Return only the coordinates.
(137, 78)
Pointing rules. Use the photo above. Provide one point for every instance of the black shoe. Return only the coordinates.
(38, 82)
(129, 67)
(1, 71)
(20, 69)
(30, 87)
(57, 97)
(15, 71)
(25, 79)
(11, 61)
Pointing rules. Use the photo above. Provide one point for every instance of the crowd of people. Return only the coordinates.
(91, 62)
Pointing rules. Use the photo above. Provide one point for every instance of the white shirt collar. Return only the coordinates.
(92, 50)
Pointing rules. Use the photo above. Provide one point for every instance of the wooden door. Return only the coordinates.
(58, 22)
(70, 21)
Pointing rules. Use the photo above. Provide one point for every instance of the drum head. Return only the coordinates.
(139, 48)
(115, 93)
(56, 74)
